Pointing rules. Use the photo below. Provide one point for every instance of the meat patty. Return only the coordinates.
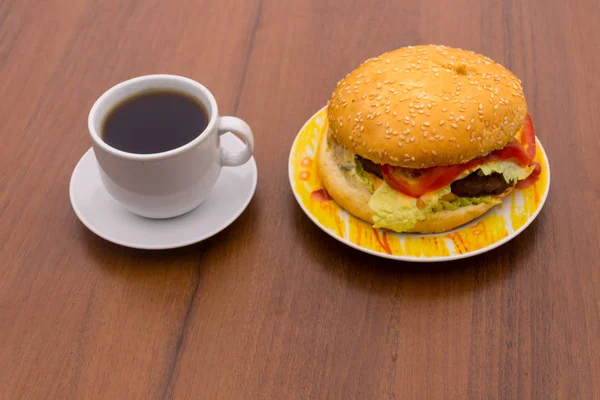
(476, 185)
(370, 166)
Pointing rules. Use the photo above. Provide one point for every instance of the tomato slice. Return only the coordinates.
(528, 137)
(531, 179)
(417, 182)
(512, 151)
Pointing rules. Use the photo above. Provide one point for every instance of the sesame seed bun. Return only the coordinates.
(353, 195)
(427, 106)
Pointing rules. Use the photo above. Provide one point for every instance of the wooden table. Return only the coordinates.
(272, 307)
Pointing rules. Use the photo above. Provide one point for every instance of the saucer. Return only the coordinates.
(494, 228)
(107, 218)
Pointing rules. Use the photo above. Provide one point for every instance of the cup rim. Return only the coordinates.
(213, 113)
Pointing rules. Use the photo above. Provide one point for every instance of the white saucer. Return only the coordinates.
(104, 216)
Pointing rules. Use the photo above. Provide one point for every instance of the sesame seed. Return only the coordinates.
(425, 134)
(394, 113)
(452, 139)
(458, 146)
(413, 123)
(420, 111)
(496, 107)
(423, 127)
(444, 109)
(468, 127)
(426, 123)
(434, 152)
(442, 122)
(412, 159)
(387, 124)
(364, 96)
(432, 139)
(379, 85)
(379, 123)
(454, 125)
(362, 128)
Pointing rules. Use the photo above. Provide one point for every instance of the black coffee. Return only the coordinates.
(154, 121)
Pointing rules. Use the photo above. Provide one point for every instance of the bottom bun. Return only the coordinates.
(353, 195)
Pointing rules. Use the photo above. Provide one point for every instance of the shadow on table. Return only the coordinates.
(384, 276)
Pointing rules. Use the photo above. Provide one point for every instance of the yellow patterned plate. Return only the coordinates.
(496, 227)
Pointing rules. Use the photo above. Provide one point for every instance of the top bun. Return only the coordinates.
(426, 106)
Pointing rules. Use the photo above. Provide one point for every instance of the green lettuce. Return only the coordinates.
(511, 171)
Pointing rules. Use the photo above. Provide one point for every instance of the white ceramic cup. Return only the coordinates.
(174, 182)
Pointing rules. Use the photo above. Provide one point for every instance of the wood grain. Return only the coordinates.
(272, 307)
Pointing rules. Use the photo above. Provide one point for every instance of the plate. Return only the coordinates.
(107, 218)
(496, 227)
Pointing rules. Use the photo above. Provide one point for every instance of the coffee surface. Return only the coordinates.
(154, 122)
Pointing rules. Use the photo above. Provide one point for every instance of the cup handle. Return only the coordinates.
(239, 128)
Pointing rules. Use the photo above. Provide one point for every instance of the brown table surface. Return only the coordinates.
(272, 307)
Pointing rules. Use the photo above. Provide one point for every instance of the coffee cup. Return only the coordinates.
(170, 183)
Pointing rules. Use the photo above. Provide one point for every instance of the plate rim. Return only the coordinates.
(142, 246)
(423, 259)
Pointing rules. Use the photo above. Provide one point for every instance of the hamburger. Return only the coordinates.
(426, 138)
